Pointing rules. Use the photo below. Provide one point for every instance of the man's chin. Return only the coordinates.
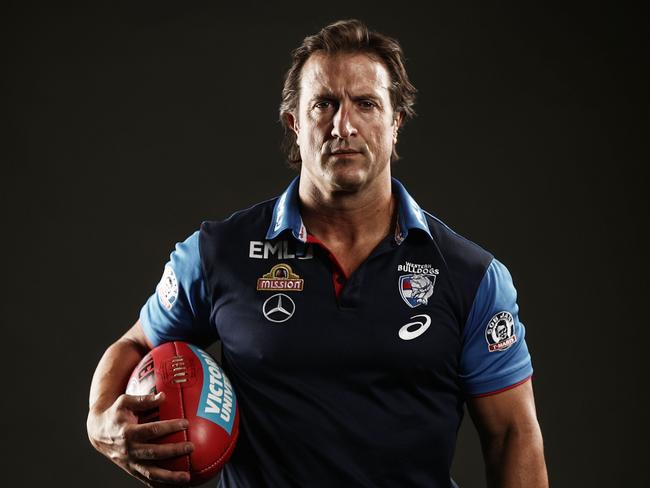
(348, 181)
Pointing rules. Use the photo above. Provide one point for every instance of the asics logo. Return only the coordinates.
(416, 328)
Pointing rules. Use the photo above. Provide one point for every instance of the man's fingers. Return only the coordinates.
(153, 430)
(140, 403)
(160, 475)
(153, 452)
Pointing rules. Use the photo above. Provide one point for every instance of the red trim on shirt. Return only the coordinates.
(503, 389)
(339, 278)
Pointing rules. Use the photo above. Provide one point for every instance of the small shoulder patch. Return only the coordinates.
(500, 332)
(168, 288)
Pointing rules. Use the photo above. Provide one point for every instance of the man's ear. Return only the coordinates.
(291, 121)
(397, 123)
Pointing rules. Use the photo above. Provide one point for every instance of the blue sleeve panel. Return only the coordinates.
(179, 310)
(494, 355)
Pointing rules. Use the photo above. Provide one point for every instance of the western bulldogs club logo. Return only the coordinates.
(500, 332)
(416, 289)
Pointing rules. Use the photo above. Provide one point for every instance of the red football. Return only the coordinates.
(197, 389)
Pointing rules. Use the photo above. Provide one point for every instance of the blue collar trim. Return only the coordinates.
(409, 214)
(286, 214)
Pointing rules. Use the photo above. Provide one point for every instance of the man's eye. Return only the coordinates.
(367, 104)
(322, 105)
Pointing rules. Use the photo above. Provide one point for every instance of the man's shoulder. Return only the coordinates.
(255, 218)
(458, 251)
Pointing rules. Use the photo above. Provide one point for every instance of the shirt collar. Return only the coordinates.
(409, 214)
(286, 214)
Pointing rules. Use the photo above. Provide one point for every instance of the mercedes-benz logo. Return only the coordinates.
(278, 308)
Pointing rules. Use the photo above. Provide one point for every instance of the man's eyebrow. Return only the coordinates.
(323, 96)
(367, 96)
(356, 98)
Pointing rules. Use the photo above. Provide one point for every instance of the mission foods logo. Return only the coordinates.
(280, 278)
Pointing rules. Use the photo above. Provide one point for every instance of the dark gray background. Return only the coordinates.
(127, 126)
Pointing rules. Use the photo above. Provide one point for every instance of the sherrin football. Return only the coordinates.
(196, 389)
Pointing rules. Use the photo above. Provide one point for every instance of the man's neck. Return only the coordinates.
(349, 223)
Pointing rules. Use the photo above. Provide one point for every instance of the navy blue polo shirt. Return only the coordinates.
(341, 380)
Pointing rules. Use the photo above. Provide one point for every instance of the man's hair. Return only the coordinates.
(346, 36)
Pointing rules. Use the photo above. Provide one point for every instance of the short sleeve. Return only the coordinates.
(179, 308)
(494, 355)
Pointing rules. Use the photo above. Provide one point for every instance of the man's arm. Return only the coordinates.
(511, 438)
(112, 423)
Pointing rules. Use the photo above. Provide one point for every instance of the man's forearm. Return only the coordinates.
(516, 459)
(112, 372)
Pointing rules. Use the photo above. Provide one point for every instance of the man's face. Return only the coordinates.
(345, 124)
(502, 331)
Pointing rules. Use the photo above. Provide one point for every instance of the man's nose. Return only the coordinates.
(343, 126)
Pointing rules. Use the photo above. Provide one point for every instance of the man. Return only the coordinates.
(358, 375)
